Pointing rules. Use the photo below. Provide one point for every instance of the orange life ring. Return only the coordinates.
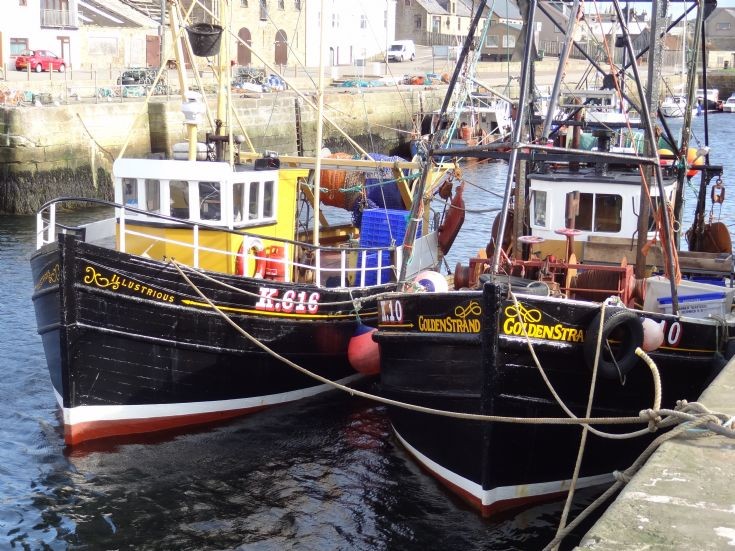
(717, 193)
(251, 244)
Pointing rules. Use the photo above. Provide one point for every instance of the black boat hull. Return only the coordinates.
(132, 348)
(444, 352)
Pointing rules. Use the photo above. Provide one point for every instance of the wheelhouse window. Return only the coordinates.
(210, 201)
(153, 195)
(130, 192)
(179, 194)
(254, 202)
(608, 212)
(539, 208)
(595, 211)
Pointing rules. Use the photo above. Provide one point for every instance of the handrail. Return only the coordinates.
(46, 231)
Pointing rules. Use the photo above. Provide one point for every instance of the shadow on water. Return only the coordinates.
(322, 474)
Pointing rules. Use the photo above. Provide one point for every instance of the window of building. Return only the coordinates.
(407, 3)
(363, 21)
(491, 41)
(263, 10)
(281, 4)
(417, 21)
(17, 45)
(723, 26)
(243, 3)
(22, 2)
(435, 23)
(335, 20)
(509, 41)
(297, 4)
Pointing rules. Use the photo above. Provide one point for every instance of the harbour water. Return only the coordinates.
(320, 474)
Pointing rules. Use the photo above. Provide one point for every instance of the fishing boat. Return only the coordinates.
(475, 113)
(217, 276)
(547, 324)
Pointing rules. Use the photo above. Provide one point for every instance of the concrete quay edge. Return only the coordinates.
(683, 497)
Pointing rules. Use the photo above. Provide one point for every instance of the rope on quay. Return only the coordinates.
(644, 417)
(691, 416)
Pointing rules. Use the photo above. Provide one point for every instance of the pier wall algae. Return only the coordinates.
(48, 152)
(53, 151)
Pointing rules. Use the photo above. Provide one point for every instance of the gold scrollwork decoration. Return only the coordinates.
(473, 308)
(49, 277)
(94, 277)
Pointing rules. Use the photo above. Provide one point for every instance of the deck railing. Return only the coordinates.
(328, 262)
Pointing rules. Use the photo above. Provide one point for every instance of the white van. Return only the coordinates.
(401, 50)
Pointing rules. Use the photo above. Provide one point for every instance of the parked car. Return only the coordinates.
(40, 60)
(401, 50)
(729, 105)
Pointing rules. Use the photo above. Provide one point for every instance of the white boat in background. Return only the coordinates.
(729, 105)
(674, 106)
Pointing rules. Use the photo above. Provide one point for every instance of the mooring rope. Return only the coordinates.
(645, 416)
(560, 402)
(689, 416)
(388, 401)
(713, 421)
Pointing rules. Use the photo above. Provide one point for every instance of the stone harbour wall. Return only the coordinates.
(61, 150)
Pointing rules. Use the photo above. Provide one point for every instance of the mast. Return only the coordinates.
(319, 128)
(575, 14)
(686, 128)
(517, 125)
(649, 101)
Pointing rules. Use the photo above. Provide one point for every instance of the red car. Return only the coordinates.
(39, 60)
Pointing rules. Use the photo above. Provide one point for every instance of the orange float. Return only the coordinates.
(694, 159)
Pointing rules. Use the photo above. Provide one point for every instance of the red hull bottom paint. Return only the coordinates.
(95, 430)
(493, 508)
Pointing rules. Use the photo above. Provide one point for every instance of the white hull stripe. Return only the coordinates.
(502, 493)
(86, 414)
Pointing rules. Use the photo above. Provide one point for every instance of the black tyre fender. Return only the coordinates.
(624, 329)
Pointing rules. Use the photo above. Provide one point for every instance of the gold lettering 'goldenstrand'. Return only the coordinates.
(449, 325)
(520, 317)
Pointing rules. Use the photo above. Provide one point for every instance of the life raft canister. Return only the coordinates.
(622, 330)
(254, 246)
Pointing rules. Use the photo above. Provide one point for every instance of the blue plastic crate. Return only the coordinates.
(371, 261)
(382, 226)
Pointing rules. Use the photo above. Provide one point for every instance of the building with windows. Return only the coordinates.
(355, 31)
(719, 31)
(40, 25)
(434, 22)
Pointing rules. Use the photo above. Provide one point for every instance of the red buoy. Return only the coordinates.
(363, 352)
